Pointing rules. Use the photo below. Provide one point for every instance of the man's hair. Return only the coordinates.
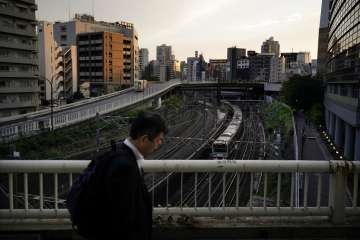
(146, 123)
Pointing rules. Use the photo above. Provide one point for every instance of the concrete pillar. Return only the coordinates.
(357, 145)
(332, 125)
(339, 132)
(327, 119)
(349, 142)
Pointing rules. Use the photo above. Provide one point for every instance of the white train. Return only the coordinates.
(223, 146)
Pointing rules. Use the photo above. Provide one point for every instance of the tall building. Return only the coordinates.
(233, 55)
(104, 60)
(264, 67)
(71, 83)
(143, 60)
(196, 68)
(323, 37)
(51, 64)
(271, 46)
(65, 33)
(217, 70)
(166, 60)
(19, 90)
(297, 63)
(342, 109)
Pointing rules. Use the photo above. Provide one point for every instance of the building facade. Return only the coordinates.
(65, 33)
(342, 98)
(19, 90)
(104, 60)
(166, 61)
(51, 64)
(264, 67)
(143, 60)
(323, 38)
(217, 70)
(271, 46)
(233, 55)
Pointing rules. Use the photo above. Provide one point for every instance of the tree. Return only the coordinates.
(302, 92)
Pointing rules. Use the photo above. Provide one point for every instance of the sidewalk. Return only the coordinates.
(312, 147)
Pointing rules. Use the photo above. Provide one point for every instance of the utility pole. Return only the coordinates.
(97, 132)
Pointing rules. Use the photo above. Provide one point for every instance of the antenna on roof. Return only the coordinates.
(93, 8)
(69, 10)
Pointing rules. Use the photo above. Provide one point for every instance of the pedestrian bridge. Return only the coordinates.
(193, 195)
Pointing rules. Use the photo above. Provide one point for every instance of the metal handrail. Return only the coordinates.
(204, 172)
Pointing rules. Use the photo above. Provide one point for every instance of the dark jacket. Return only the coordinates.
(128, 208)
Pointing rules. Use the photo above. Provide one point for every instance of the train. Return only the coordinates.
(224, 146)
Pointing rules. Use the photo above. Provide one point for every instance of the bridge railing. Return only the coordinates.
(36, 189)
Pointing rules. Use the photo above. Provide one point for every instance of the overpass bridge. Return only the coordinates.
(209, 198)
(32, 123)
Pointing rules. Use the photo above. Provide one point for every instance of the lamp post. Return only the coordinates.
(51, 101)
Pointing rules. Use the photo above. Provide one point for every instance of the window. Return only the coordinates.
(4, 68)
(63, 37)
(2, 84)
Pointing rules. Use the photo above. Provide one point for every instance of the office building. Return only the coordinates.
(233, 55)
(104, 60)
(341, 102)
(143, 60)
(271, 46)
(323, 38)
(65, 34)
(19, 90)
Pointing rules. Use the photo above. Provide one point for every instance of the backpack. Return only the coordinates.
(86, 197)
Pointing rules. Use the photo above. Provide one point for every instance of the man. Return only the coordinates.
(128, 208)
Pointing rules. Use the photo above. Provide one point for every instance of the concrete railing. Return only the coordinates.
(195, 188)
(12, 128)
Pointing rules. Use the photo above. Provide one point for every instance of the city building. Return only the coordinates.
(217, 70)
(197, 68)
(342, 109)
(19, 90)
(271, 46)
(51, 64)
(143, 60)
(105, 61)
(297, 63)
(264, 67)
(323, 38)
(233, 55)
(166, 62)
(65, 34)
(71, 83)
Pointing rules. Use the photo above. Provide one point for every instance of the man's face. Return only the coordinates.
(149, 146)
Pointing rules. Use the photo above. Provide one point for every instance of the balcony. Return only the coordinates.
(28, 104)
(19, 90)
(19, 60)
(17, 31)
(19, 74)
(15, 45)
(23, 15)
(198, 194)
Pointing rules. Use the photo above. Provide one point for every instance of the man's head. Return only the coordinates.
(147, 132)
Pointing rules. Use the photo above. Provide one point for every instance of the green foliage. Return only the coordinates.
(315, 113)
(174, 102)
(277, 116)
(301, 92)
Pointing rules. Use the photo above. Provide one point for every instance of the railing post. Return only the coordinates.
(337, 193)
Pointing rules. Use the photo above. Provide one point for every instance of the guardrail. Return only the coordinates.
(33, 123)
(198, 188)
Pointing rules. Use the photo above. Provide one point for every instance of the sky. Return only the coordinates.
(208, 26)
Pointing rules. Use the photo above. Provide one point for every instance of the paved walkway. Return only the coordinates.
(312, 147)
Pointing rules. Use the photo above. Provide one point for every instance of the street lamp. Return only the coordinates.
(52, 100)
